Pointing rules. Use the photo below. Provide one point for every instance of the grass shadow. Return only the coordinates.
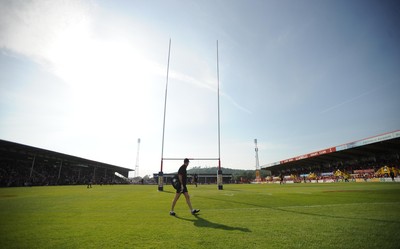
(338, 216)
(169, 192)
(201, 222)
(305, 213)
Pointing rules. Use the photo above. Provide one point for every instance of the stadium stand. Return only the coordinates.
(23, 165)
(363, 159)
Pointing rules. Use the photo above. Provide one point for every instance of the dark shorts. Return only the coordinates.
(184, 189)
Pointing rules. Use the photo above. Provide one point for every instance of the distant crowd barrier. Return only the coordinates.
(331, 180)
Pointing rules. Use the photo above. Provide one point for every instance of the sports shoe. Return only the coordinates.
(195, 211)
(172, 213)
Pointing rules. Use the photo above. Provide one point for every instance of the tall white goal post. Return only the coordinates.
(161, 173)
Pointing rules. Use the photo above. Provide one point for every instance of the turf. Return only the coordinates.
(334, 215)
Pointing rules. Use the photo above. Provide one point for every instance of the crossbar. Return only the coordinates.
(191, 158)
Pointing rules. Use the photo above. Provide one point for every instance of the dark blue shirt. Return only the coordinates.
(182, 171)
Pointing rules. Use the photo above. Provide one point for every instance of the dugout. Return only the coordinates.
(27, 165)
(364, 153)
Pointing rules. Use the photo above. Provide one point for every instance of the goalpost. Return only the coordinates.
(161, 174)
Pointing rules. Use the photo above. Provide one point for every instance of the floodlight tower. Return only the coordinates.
(258, 179)
(137, 159)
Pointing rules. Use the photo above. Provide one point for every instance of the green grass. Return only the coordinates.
(335, 215)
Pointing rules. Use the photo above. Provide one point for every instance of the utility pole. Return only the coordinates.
(258, 178)
(137, 159)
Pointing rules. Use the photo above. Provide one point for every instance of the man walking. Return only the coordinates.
(182, 189)
(195, 179)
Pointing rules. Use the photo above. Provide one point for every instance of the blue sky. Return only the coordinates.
(87, 78)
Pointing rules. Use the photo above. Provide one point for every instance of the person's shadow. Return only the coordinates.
(200, 222)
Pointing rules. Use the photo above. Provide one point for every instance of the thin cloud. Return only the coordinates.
(208, 85)
(350, 100)
(233, 102)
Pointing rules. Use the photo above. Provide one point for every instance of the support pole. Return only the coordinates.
(94, 174)
(33, 164)
(160, 174)
(59, 171)
(219, 178)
